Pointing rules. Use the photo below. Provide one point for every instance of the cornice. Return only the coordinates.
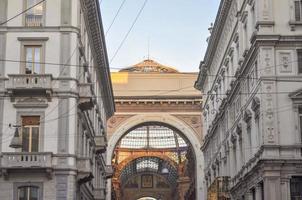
(92, 15)
(217, 30)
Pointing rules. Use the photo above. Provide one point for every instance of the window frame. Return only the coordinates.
(299, 61)
(300, 121)
(25, 3)
(41, 113)
(32, 43)
(291, 182)
(18, 185)
(30, 133)
(300, 10)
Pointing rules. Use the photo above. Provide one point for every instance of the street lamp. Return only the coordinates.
(16, 141)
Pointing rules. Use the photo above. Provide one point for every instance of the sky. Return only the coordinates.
(174, 31)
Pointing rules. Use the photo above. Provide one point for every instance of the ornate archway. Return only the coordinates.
(186, 131)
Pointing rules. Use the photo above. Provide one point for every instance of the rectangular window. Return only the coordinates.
(298, 10)
(30, 133)
(296, 188)
(28, 193)
(33, 58)
(300, 120)
(34, 16)
(299, 55)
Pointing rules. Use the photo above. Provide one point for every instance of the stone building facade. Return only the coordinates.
(251, 80)
(56, 97)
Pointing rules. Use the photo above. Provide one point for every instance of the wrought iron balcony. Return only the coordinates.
(19, 160)
(86, 97)
(99, 193)
(34, 83)
(100, 143)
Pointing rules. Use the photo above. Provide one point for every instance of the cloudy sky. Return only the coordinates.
(176, 31)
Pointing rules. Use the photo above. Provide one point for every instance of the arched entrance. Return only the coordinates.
(184, 132)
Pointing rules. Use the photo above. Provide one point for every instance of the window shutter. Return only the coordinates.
(297, 11)
(299, 52)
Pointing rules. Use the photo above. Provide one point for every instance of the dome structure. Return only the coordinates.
(149, 66)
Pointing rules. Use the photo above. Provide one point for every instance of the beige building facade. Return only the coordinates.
(155, 132)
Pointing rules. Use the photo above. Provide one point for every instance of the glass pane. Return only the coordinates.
(29, 60)
(25, 139)
(34, 15)
(37, 68)
(22, 193)
(29, 4)
(33, 193)
(35, 139)
(297, 11)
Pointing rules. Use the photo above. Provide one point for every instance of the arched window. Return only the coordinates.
(28, 193)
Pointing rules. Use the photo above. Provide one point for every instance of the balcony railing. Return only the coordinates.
(85, 94)
(26, 160)
(25, 82)
(33, 20)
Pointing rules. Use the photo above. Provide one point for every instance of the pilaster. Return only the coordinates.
(259, 192)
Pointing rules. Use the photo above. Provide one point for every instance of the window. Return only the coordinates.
(30, 133)
(34, 16)
(299, 54)
(296, 188)
(298, 7)
(28, 193)
(33, 57)
(300, 119)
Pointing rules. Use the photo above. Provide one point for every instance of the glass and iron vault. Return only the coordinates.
(152, 160)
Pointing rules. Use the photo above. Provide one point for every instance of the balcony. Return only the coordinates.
(100, 143)
(30, 83)
(84, 167)
(108, 171)
(12, 161)
(86, 97)
(99, 193)
(32, 20)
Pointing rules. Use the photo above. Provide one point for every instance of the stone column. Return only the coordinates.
(259, 192)
(272, 188)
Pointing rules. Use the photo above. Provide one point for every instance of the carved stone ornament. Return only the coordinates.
(31, 102)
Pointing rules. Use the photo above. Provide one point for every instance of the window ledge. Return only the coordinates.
(293, 24)
(33, 38)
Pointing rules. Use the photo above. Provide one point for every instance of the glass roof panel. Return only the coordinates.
(150, 164)
(152, 136)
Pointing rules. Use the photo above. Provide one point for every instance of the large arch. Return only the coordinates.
(172, 121)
